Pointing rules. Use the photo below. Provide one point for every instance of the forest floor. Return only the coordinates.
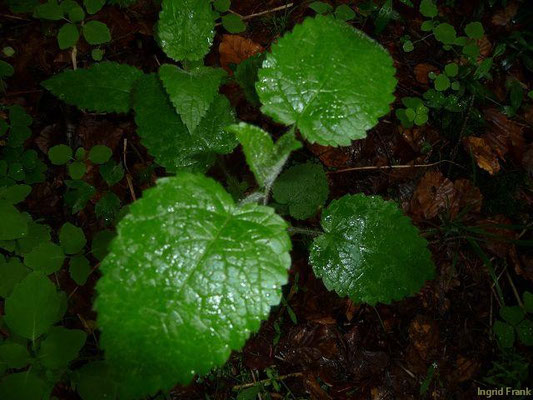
(472, 203)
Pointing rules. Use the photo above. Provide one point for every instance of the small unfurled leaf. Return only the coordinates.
(72, 238)
(32, 307)
(320, 7)
(222, 5)
(338, 93)
(190, 271)
(505, 334)
(100, 154)
(112, 172)
(67, 36)
(442, 83)
(77, 169)
(79, 269)
(96, 32)
(93, 6)
(191, 92)
(60, 346)
(233, 23)
(474, 30)
(264, 157)
(22, 385)
(370, 251)
(46, 257)
(167, 138)
(428, 8)
(344, 12)
(60, 154)
(78, 194)
(304, 188)
(186, 29)
(108, 207)
(103, 87)
(445, 33)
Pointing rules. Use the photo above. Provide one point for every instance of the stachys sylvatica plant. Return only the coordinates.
(192, 272)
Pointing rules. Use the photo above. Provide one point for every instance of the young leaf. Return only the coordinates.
(37, 234)
(67, 36)
(222, 5)
(445, 33)
(72, 238)
(11, 273)
(189, 273)
(524, 332)
(108, 207)
(112, 172)
(505, 334)
(100, 154)
(32, 307)
(264, 157)
(341, 89)
(15, 355)
(93, 382)
(186, 29)
(46, 257)
(474, 30)
(96, 32)
(61, 346)
(93, 6)
(304, 188)
(320, 7)
(76, 170)
(344, 12)
(78, 194)
(49, 10)
(191, 92)
(428, 8)
(103, 87)
(370, 251)
(60, 154)
(22, 385)
(14, 224)
(166, 137)
(79, 269)
(233, 23)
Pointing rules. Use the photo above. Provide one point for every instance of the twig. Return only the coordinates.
(259, 14)
(379, 167)
(266, 381)
(73, 55)
(14, 17)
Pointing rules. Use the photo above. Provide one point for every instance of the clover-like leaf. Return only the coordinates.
(189, 273)
(330, 80)
(264, 157)
(186, 29)
(103, 87)
(33, 306)
(370, 251)
(167, 138)
(304, 188)
(191, 92)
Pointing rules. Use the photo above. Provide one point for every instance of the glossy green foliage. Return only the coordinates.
(189, 277)
(330, 80)
(167, 138)
(186, 29)
(191, 92)
(33, 306)
(103, 87)
(264, 157)
(370, 251)
(303, 188)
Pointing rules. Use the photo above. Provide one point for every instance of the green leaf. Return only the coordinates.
(97, 54)
(72, 238)
(100, 154)
(471, 49)
(11, 273)
(338, 93)
(528, 302)
(474, 30)
(14, 354)
(103, 87)
(186, 29)
(60, 347)
(96, 32)
(524, 331)
(76, 170)
(246, 76)
(22, 385)
(93, 382)
(67, 36)
(32, 307)
(112, 172)
(428, 9)
(6, 70)
(93, 6)
(189, 273)
(264, 157)
(320, 7)
(108, 207)
(233, 23)
(344, 13)
(75, 13)
(445, 33)
(408, 46)
(304, 188)
(504, 334)
(191, 92)
(370, 251)
(47, 258)
(60, 154)
(166, 137)
(442, 83)
(14, 224)
(427, 26)
(37, 234)
(222, 5)
(78, 194)
(100, 244)
(512, 315)
(451, 70)
(79, 269)
(15, 193)
(50, 10)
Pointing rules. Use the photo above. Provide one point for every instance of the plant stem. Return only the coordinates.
(304, 231)
(378, 167)
(260, 14)
(266, 381)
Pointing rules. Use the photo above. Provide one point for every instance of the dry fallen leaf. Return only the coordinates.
(503, 17)
(333, 157)
(424, 336)
(433, 194)
(466, 368)
(468, 195)
(485, 48)
(234, 49)
(422, 71)
(483, 154)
